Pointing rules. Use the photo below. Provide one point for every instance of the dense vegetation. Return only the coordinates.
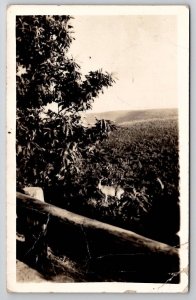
(143, 160)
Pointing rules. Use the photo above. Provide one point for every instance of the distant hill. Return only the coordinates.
(124, 117)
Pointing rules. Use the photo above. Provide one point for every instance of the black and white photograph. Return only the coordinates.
(97, 148)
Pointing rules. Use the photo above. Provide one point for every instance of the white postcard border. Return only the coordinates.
(182, 12)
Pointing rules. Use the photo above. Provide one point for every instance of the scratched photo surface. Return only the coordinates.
(98, 185)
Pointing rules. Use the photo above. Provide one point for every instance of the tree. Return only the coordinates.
(51, 146)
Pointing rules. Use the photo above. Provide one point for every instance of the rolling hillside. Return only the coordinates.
(125, 117)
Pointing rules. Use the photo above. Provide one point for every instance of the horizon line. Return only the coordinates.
(121, 110)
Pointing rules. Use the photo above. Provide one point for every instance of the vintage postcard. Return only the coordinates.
(98, 149)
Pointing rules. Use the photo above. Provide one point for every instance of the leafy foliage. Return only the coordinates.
(52, 145)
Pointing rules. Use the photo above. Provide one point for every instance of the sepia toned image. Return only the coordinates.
(97, 148)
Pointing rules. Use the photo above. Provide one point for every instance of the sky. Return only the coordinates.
(141, 52)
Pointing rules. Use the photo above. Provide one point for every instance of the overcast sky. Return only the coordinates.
(140, 50)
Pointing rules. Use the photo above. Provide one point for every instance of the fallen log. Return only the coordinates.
(135, 240)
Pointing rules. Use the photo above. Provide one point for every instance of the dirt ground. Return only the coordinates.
(26, 274)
